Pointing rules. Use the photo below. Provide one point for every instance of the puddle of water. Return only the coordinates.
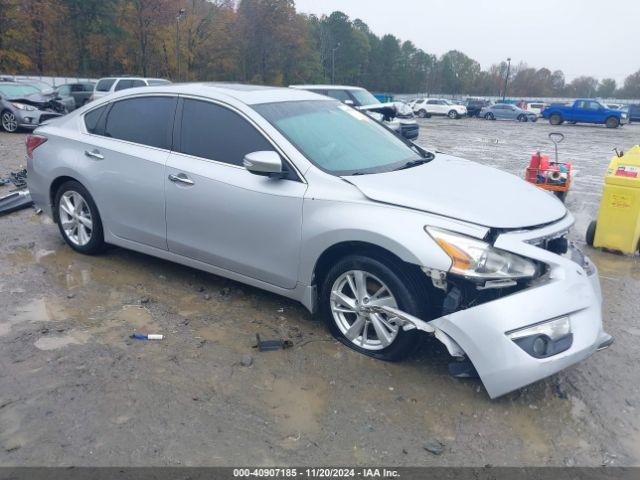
(61, 341)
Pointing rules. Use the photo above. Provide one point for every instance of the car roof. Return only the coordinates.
(248, 94)
(326, 87)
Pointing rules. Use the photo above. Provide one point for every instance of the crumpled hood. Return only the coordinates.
(388, 108)
(37, 100)
(463, 190)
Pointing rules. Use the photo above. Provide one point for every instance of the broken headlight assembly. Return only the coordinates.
(23, 106)
(479, 261)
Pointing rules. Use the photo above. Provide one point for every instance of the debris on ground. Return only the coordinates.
(270, 345)
(433, 446)
(247, 361)
(15, 201)
(19, 178)
(150, 336)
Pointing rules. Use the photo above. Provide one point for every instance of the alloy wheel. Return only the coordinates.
(352, 295)
(9, 122)
(75, 218)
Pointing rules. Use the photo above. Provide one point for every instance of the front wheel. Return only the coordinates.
(453, 114)
(422, 114)
(612, 122)
(522, 118)
(9, 121)
(78, 218)
(357, 282)
(489, 116)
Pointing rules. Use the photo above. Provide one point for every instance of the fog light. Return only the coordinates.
(540, 346)
(544, 339)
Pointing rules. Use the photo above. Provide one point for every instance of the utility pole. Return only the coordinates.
(180, 13)
(506, 80)
(333, 63)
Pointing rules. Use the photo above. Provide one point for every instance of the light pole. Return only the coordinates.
(180, 13)
(506, 80)
(333, 63)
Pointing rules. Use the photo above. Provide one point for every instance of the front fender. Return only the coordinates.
(395, 229)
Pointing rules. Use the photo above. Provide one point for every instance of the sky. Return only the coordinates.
(580, 37)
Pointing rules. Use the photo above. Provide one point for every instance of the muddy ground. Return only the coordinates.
(75, 390)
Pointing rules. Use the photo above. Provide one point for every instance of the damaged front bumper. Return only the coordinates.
(484, 333)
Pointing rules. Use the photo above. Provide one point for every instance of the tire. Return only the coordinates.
(453, 114)
(555, 119)
(9, 121)
(522, 118)
(404, 287)
(612, 122)
(92, 242)
(534, 119)
(489, 116)
(591, 233)
(562, 196)
(423, 114)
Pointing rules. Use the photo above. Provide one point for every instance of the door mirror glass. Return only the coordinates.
(263, 163)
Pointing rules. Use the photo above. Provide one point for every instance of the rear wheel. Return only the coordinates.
(489, 116)
(422, 113)
(591, 233)
(78, 218)
(9, 121)
(357, 282)
(612, 122)
(522, 118)
(555, 119)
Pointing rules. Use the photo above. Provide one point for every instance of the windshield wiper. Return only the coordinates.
(413, 163)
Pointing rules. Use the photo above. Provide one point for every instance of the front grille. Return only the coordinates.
(48, 116)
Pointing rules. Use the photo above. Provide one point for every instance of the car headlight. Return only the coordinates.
(624, 115)
(22, 106)
(475, 259)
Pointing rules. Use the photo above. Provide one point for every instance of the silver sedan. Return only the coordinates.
(298, 194)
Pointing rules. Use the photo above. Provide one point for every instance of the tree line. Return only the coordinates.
(255, 41)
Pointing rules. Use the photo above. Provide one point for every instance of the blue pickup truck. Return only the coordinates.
(584, 110)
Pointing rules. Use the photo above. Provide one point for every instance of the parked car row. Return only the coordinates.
(26, 103)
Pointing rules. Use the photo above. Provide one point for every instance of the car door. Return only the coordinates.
(123, 154)
(220, 213)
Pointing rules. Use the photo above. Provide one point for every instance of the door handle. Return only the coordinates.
(181, 178)
(95, 153)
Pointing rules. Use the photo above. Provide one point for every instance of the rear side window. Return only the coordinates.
(123, 84)
(144, 120)
(105, 84)
(216, 133)
(339, 95)
(92, 119)
(138, 83)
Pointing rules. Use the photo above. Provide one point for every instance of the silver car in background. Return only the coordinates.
(301, 195)
(24, 106)
(507, 111)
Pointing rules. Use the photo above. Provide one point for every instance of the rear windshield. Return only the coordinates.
(17, 90)
(105, 84)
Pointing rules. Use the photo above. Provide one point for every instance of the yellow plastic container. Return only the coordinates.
(618, 225)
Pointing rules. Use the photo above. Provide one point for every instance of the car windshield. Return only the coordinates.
(17, 90)
(337, 138)
(364, 98)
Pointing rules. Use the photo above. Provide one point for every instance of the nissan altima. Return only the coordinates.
(301, 195)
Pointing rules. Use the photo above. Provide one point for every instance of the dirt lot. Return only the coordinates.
(74, 390)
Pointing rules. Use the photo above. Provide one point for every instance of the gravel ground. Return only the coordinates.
(74, 390)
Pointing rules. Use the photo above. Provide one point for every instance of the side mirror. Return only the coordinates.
(266, 163)
(349, 102)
